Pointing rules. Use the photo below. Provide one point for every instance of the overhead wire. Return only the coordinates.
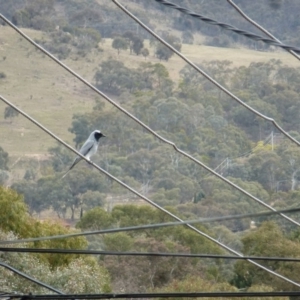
(244, 33)
(145, 198)
(31, 279)
(247, 106)
(228, 93)
(159, 295)
(222, 88)
(158, 136)
(149, 226)
(77, 153)
(155, 134)
(170, 143)
(149, 254)
(261, 28)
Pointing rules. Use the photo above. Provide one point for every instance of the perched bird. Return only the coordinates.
(89, 148)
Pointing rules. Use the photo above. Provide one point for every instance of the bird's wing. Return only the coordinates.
(75, 162)
(84, 150)
(87, 146)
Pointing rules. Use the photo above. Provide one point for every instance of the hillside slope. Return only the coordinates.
(51, 95)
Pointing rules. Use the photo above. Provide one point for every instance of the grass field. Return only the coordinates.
(51, 95)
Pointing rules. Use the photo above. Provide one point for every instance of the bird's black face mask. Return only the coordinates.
(98, 135)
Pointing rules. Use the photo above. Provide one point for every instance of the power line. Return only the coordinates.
(140, 122)
(244, 33)
(158, 136)
(225, 90)
(150, 254)
(205, 74)
(145, 198)
(170, 143)
(114, 296)
(30, 278)
(224, 179)
(160, 295)
(148, 226)
(235, 6)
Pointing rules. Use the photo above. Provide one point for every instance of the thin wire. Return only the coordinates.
(247, 34)
(150, 254)
(192, 158)
(30, 278)
(205, 74)
(158, 136)
(237, 8)
(140, 122)
(149, 226)
(147, 199)
(226, 91)
(162, 295)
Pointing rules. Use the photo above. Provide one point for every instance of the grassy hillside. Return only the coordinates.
(51, 95)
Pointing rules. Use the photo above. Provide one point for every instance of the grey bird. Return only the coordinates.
(89, 148)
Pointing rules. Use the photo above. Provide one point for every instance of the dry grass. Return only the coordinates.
(51, 95)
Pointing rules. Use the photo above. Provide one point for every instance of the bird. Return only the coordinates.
(88, 149)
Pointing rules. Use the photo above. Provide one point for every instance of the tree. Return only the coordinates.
(129, 36)
(137, 45)
(30, 192)
(119, 43)
(60, 157)
(14, 218)
(113, 76)
(36, 15)
(81, 275)
(187, 37)
(4, 159)
(10, 113)
(145, 52)
(163, 52)
(14, 215)
(268, 240)
(91, 199)
(85, 17)
(204, 283)
(95, 219)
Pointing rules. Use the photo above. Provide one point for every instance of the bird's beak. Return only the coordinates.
(103, 135)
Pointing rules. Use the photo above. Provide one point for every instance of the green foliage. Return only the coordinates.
(120, 43)
(90, 277)
(60, 158)
(36, 15)
(75, 191)
(3, 159)
(137, 269)
(14, 216)
(95, 219)
(2, 74)
(268, 240)
(48, 228)
(195, 116)
(10, 113)
(77, 41)
(137, 45)
(187, 37)
(114, 77)
(15, 219)
(145, 52)
(118, 242)
(164, 53)
(201, 284)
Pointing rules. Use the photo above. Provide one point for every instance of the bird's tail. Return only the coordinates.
(66, 174)
(76, 161)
